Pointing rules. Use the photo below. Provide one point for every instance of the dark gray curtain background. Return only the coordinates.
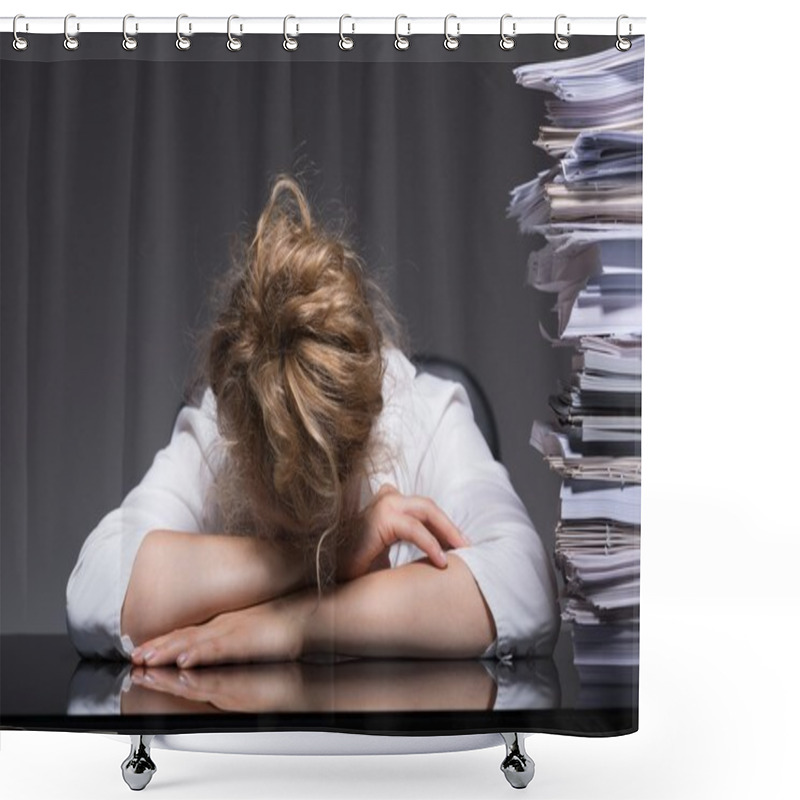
(123, 177)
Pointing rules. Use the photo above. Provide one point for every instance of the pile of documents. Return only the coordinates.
(607, 663)
(586, 212)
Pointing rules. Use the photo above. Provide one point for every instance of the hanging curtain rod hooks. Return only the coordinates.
(75, 28)
(70, 42)
(20, 43)
(345, 42)
(233, 44)
(561, 43)
(182, 43)
(507, 42)
(128, 42)
(450, 41)
(622, 43)
(401, 42)
(290, 43)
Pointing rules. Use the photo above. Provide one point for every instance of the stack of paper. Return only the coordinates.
(586, 212)
(607, 663)
(588, 206)
(600, 92)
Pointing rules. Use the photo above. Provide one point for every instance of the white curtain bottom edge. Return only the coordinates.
(318, 743)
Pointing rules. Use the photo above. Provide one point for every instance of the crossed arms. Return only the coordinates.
(147, 573)
(208, 599)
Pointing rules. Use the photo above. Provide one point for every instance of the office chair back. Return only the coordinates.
(452, 370)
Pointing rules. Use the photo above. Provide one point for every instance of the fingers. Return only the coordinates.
(418, 520)
(165, 649)
(186, 647)
(436, 521)
(412, 530)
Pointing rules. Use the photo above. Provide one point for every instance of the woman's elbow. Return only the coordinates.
(138, 620)
(88, 622)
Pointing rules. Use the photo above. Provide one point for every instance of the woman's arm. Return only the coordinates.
(414, 611)
(182, 578)
(417, 610)
(182, 574)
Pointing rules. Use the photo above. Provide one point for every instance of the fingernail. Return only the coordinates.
(136, 652)
(182, 659)
(148, 677)
(442, 558)
(148, 655)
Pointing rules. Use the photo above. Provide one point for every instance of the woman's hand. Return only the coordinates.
(271, 631)
(180, 578)
(392, 517)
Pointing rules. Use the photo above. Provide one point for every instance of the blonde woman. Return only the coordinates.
(320, 497)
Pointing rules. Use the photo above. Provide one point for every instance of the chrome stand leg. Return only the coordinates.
(138, 768)
(517, 766)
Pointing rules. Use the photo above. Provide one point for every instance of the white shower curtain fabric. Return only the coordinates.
(494, 195)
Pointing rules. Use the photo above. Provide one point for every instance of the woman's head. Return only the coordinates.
(294, 360)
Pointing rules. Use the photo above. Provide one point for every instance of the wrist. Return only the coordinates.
(281, 573)
(309, 612)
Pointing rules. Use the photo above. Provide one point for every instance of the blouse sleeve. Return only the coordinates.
(171, 495)
(454, 467)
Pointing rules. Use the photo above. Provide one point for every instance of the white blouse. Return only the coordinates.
(432, 447)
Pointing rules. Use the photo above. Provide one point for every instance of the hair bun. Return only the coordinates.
(295, 361)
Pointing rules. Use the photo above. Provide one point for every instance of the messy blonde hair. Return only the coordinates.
(294, 360)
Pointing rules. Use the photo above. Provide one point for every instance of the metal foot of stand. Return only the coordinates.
(138, 768)
(517, 766)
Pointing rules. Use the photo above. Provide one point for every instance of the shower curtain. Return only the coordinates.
(496, 196)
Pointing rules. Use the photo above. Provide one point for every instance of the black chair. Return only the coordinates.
(452, 370)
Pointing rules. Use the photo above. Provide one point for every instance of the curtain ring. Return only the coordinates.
(233, 44)
(288, 42)
(20, 43)
(450, 41)
(345, 42)
(70, 42)
(182, 43)
(128, 42)
(622, 43)
(401, 42)
(560, 42)
(507, 42)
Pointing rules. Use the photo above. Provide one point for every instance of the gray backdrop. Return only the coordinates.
(124, 176)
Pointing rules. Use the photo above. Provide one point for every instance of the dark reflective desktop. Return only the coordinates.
(45, 685)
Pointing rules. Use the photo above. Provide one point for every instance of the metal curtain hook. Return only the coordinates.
(507, 42)
(345, 42)
(560, 43)
(622, 43)
(288, 42)
(401, 42)
(450, 41)
(20, 43)
(182, 43)
(233, 43)
(128, 42)
(70, 42)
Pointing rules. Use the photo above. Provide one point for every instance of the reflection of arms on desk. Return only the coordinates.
(295, 687)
